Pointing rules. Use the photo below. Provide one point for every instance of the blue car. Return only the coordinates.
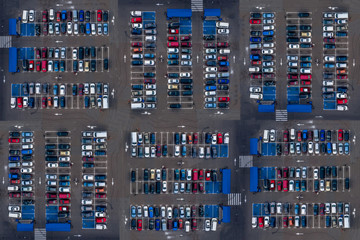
(14, 158)
(81, 15)
(88, 28)
(100, 208)
(56, 66)
(62, 183)
(254, 57)
(341, 58)
(27, 134)
(297, 185)
(27, 151)
(63, 15)
(157, 224)
(13, 176)
(297, 207)
(56, 89)
(183, 151)
(182, 175)
(223, 81)
(304, 135)
(136, 31)
(173, 62)
(329, 46)
(175, 225)
(223, 63)
(87, 101)
(329, 65)
(133, 211)
(151, 212)
(88, 184)
(346, 148)
(31, 102)
(210, 105)
(62, 101)
(303, 221)
(137, 62)
(255, 39)
(322, 135)
(268, 33)
(303, 185)
(100, 177)
(341, 34)
(210, 88)
(305, 64)
(149, 55)
(173, 56)
(328, 147)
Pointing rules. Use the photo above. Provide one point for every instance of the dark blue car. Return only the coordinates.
(254, 57)
(14, 158)
(31, 102)
(305, 64)
(81, 15)
(173, 56)
(157, 224)
(62, 101)
(223, 81)
(255, 39)
(322, 135)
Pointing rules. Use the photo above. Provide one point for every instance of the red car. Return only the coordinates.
(49, 195)
(186, 44)
(223, 69)
(279, 173)
(101, 220)
(88, 159)
(173, 31)
(38, 66)
(305, 82)
(279, 185)
(181, 223)
(194, 224)
(305, 76)
(340, 134)
(45, 29)
(292, 76)
(255, 21)
(219, 138)
(209, 45)
(286, 185)
(100, 195)
(254, 62)
(43, 105)
(201, 174)
(27, 194)
(342, 101)
(305, 89)
(58, 16)
(14, 195)
(196, 138)
(293, 82)
(14, 140)
(44, 53)
(139, 224)
(158, 150)
(53, 201)
(173, 44)
(38, 53)
(63, 208)
(66, 201)
(99, 15)
(299, 136)
(329, 40)
(269, 75)
(136, 20)
(194, 187)
(173, 38)
(285, 222)
(137, 50)
(185, 38)
(207, 175)
(272, 185)
(224, 99)
(286, 172)
(20, 102)
(261, 222)
(149, 81)
(45, 16)
(14, 181)
(256, 75)
(341, 76)
(222, 58)
(222, 44)
(14, 170)
(136, 44)
(31, 65)
(286, 136)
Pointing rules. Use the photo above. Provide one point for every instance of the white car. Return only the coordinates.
(304, 172)
(173, 81)
(210, 99)
(210, 50)
(329, 58)
(27, 140)
(99, 29)
(329, 15)
(88, 177)
(100, 214)
(14, 208)
(69, 28)
(188, 174)
(52, 165)
(26, 170)
(267, 51)
(158, 174)
(311, 147)
(27, 146)
(316, 173)
(173, 50)
(164, 187)
(268, 27)
(64, 189)
(305, 70)
(25, 103)
(342, 108)
(186, 56)
(74, 54)
(305, 40)
(269, 45)
(136, 25)
(328, 34)
(303, 209)
(294, 45)
(51, 176)
(322, 185)
(163, 212)
(255, 89)
(213, 139)
(92, 88)
(146, 212)
(292, 58)
(31, 15)
(152, 152)
(269, 21)
(185, 74)
(211, 69)
(81, 66)
(27, 164)
(169, 212)
(268, 70)
(86, 202)
(328, 28)
(76, 28)
(186, 63)
(62, 90)
(272, 134)
(210, 93)
(149, 63)
(266, 221)
(177, 151)
(291, 185)
(207, 225)
(223, 31)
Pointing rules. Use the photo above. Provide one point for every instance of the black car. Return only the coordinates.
(82, 28)
(268, 39)
(214, 152)
(305, 27)
(201, 211)
(334, 185)
(346, 136)
(255, 33)
(87, 194)
(174, 25)
(87, 214)
(150, 45)
(223, 87)
(25, 65)
(63, 28)
(37, 30)
(210, 82)
(304, 147)
(146, 175)
(106, 64)
(87, 16)
(64, 146)
(213, 176)
(133, 223)
(256, 15)
(209, 37)
(347, 183)
(149, 25)
(105, 16)
(151, 224)
(93, 65)
(291, 34)
(278, 149)
(268, 57)
(328, 171)
(28, 202)
(328, 135)
(173, 93)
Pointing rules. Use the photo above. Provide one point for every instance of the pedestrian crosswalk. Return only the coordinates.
(234, 199)
(40, 234)
(281, 115)
(197, 5)
(5, 41)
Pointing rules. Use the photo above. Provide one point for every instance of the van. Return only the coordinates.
(257, 45)
(266, 136)
(13, 188)
(51, 14)
(183, 138)
(150, 93)
(222, 24)
(133, 139)
(346, 221)
(137, 105)
(292, 134)
(187, 226)
(213, 224)
(256, 96)
(102, 134)
(14, 215)
(224, 51)
(105, 102)
(344, 15)
(316, 135)
(74, 15)
(25, 16)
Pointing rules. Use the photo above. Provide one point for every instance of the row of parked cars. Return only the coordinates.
(337, 215)
(325, 178)
(20, 171)
(175, 218)
(262, 45)
(94, 185)
(180, 84)
(335, 32)
(143, 92)
(216, 54)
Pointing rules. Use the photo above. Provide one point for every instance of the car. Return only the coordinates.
(255, 21)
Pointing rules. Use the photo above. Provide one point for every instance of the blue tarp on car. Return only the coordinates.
(226, 214)
(28, 212)
(226, 181)
(268, 149)
(269, 93)
(254, 179)
(329, 104)
(209, 27)
(266, 108)
(211, 211)
(253, 146)
(215, 12)
(212, 187)
(25, 227)
(178, 13)
(12, 59)
(15, 90)
(267, 173)
(58, 227)
(12, 27)
(299, 108)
